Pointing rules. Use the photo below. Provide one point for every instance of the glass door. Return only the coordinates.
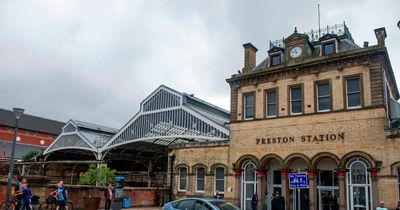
(328, 199)
(360, 198)
(249, 183)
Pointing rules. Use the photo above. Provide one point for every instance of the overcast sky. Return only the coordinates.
(96, 60)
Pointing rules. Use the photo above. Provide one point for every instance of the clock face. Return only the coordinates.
(295, 52)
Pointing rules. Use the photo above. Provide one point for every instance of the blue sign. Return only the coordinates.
(298, 180)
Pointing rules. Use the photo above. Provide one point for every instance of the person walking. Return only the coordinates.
(254, 201)
(381, 206)
(61, 196)
(26, 197)
(108, 193)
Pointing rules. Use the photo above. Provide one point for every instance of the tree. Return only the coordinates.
(29, 156)
(99, 176)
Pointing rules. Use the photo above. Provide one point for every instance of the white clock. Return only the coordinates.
(295, 52)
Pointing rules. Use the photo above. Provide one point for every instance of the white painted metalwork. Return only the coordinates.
(166, 117)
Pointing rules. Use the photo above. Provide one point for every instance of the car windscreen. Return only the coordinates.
(224, 205)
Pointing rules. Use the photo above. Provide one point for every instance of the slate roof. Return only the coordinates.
(30, 122)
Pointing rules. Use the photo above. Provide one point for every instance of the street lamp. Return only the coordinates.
(18, 114)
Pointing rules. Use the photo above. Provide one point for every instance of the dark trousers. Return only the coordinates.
(27, 206)
(108, 204)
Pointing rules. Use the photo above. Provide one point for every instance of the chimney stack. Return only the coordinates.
(249, 57)
(380, 34)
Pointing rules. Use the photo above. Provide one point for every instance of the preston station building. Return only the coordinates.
(318, 105)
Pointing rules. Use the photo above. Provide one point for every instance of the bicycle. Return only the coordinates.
(12, 205)
(51, 204)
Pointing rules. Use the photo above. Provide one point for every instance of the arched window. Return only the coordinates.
(200, 175)
(219, 175)
(358, 184)
(182, 179)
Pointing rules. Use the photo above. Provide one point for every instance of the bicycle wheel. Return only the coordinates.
(69, 205)
(47, 206)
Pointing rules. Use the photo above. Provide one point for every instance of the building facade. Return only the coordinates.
(318, 105)
(34, 133)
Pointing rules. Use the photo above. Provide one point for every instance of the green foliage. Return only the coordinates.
(99, 176)
(29, 156)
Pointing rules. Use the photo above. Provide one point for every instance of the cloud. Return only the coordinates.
(96, 60)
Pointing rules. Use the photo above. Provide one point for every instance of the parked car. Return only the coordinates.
(199, 204)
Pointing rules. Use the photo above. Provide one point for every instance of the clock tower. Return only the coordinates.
(297, 47)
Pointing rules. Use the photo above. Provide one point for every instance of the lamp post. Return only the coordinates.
(18, 114)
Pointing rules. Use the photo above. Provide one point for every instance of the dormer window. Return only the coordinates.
(328, 48)
(275, 59)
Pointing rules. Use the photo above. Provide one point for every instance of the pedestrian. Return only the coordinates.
(274, 203)
(158, 197)
(18, 193)
(108, 194)
(398, 205)
(61, 196)
(305, 202)
(254, 201)
(26, 197)
(65, 194)
(381, 206)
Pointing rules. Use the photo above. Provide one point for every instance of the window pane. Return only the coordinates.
(354, 100)
(324, 103)
(200, 173)
(200, 185)
(219, 173)
(329, 48)
(358, 173)
(276, 60)
(186, 204)
(248, 106)
(271, 97)
(250, 172)
(353, 85)
(219, 185)
(296, 107)
(182, 178)
(249, 100)
(182, 172)
(323, 89)
(295, 93)
(271, 110)
(182, 184)
(326, 178)
(277, 177)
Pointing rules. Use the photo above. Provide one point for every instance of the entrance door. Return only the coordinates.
(360, 198)
(299, 199)
(249, 184)
(328, 199)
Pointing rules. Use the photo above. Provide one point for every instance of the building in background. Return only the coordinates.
(34, 133)
(318, 105)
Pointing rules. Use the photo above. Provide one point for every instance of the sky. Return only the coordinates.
(96, 60)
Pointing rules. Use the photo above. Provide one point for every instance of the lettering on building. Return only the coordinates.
(329, 137)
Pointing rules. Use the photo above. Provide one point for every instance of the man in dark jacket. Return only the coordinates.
(108, 194)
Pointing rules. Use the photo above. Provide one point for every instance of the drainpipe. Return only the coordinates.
(172, 159)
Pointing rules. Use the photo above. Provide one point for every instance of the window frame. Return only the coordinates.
(290, 87)
(203, 179)
(345, 98)
(180, 178)
(275, 55)
(215, 179)
(266, 102)
(316, 97)
(327, 42)
(253, 93)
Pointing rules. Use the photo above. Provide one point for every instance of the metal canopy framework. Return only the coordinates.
(166, 117)
(82, 136)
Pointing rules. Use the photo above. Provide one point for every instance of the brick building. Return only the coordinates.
(34, 133)
(319, 105)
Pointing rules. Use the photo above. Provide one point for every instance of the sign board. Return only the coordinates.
(298, 180)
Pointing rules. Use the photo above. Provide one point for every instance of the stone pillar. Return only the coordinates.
(374, 188)
(238, 186)
(260, 188)
(285, 188)
(312, 183)
(342, 189)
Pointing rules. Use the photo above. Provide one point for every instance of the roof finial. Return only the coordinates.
(295, 29)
